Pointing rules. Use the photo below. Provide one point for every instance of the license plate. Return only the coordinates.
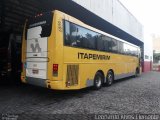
(35, 71)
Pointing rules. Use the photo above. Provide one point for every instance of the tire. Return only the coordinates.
(98, 80)
(136, 72)
(110, 78)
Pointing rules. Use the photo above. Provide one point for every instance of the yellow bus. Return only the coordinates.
(61, 52)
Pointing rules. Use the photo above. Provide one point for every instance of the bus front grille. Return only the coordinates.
(72, 75)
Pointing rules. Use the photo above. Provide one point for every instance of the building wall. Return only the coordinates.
(156, 49)
(114, 12)
(148, 52)
(156, 43)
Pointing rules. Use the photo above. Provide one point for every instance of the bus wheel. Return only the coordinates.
(98, 81)
(110, 78)
(136, 72)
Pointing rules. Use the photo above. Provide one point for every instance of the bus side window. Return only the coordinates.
(120, 47)
(99, 42)
(74, 34)
(126, 49)
(107, 40)
(114, 46)
(91, 39)
(67, 33)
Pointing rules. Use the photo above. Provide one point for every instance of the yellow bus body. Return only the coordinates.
(67, 59)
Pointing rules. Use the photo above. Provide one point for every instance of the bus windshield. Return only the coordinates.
(39, 26)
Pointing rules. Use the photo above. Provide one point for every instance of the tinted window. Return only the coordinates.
(126, 49)
(43, 20)
(107, 42)
(99, 43)
(130, 50)
(103, 43)
(78, 36)
(114, 46)
(120, 47)
(134, 51)
(67, 33)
